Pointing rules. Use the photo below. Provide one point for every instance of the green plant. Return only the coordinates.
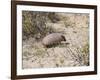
(85, 49)
(85, 54)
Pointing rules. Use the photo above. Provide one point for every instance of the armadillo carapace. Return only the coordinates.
(52, 39)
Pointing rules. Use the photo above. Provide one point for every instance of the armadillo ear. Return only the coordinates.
(63, 37)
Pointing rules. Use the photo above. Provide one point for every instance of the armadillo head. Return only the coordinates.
(63, 38)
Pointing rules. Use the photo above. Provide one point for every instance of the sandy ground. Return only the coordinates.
(75, 29)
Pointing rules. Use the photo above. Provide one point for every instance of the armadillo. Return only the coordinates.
(53, 38)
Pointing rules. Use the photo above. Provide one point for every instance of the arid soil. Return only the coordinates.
(73, 52)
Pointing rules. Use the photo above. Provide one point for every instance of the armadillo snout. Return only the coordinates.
(63, 38)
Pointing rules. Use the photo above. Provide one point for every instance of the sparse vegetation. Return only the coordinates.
(85, 51)
(39, 52)
(74, 27)
(34, 23)
(85, 48)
